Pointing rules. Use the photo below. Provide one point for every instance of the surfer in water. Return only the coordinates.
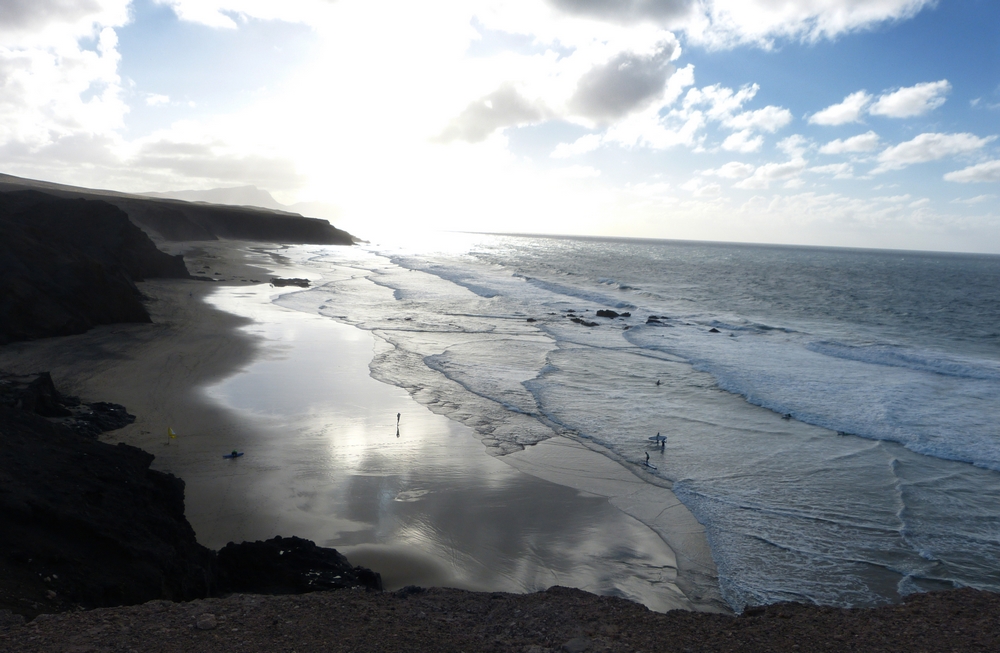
(647, 459)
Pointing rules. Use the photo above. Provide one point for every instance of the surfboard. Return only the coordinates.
(658, 438)
(650, 466)
(232, 455)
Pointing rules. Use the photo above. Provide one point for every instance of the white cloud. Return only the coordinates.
(771, 172)
(731, 170)
(50, 93)
(861, 143)
(577, 172)
(227, 14)
(982, 172)
(912, 100)
(582, 145)
(929, 147)
(835, 170)
(794, 146)
(722, 102)
(155, 99)
(699, 188)
(849, 110)
(769, 119)
(978, 199)
(725, 23)
(743, 141)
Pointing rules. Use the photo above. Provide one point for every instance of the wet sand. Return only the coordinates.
(323, 459)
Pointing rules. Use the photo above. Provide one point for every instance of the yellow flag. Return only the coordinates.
(170, 432)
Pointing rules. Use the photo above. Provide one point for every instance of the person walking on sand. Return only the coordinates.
(647, 459)
(398, 415)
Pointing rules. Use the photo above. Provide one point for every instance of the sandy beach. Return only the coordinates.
(226, 369)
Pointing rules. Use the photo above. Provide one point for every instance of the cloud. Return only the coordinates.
(929, 147)
(48, 93)
(978, 199)
(626, 11)
(743, 141)
(861, 143)
(770, 172)
(582, 145)
(982, 172)
(156, 99)
(36, 14)
(214, 163)
(794, 146)
(731, 170)
(727, 23)
(836, 170)
(912, 100)
(701, 189)
(504, 107)
(849, 110)
(230, 14)
(49, 23)
(769, 119)
(627, 82)
(719, 104)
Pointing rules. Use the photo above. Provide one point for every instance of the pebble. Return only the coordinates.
(206, 622)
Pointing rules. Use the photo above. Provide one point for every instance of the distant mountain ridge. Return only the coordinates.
(234, 196)
(249, 196)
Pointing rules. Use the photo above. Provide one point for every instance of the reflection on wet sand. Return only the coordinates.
(422, 503)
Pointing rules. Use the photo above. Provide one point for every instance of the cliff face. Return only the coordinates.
(87, 523)
(69, 265)
(177, 220)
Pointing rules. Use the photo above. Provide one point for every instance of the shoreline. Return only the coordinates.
(160, 371)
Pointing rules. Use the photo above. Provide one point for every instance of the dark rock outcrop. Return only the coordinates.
(714, 330)
(607, 313)
(37, 394)
(586, 323)
(69, 265)
(301, 283)
(89, 524)
(288, 565)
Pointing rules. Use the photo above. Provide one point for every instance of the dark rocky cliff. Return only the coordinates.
(89, 524)
(67, 265)
(177, 220)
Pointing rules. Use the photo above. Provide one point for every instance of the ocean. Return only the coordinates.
(831, 415)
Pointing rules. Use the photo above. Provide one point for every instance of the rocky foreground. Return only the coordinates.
(560, 619)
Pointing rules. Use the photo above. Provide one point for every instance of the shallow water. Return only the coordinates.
(421, 504)
(882, 482)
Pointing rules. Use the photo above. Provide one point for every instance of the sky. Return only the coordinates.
(861, 123)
